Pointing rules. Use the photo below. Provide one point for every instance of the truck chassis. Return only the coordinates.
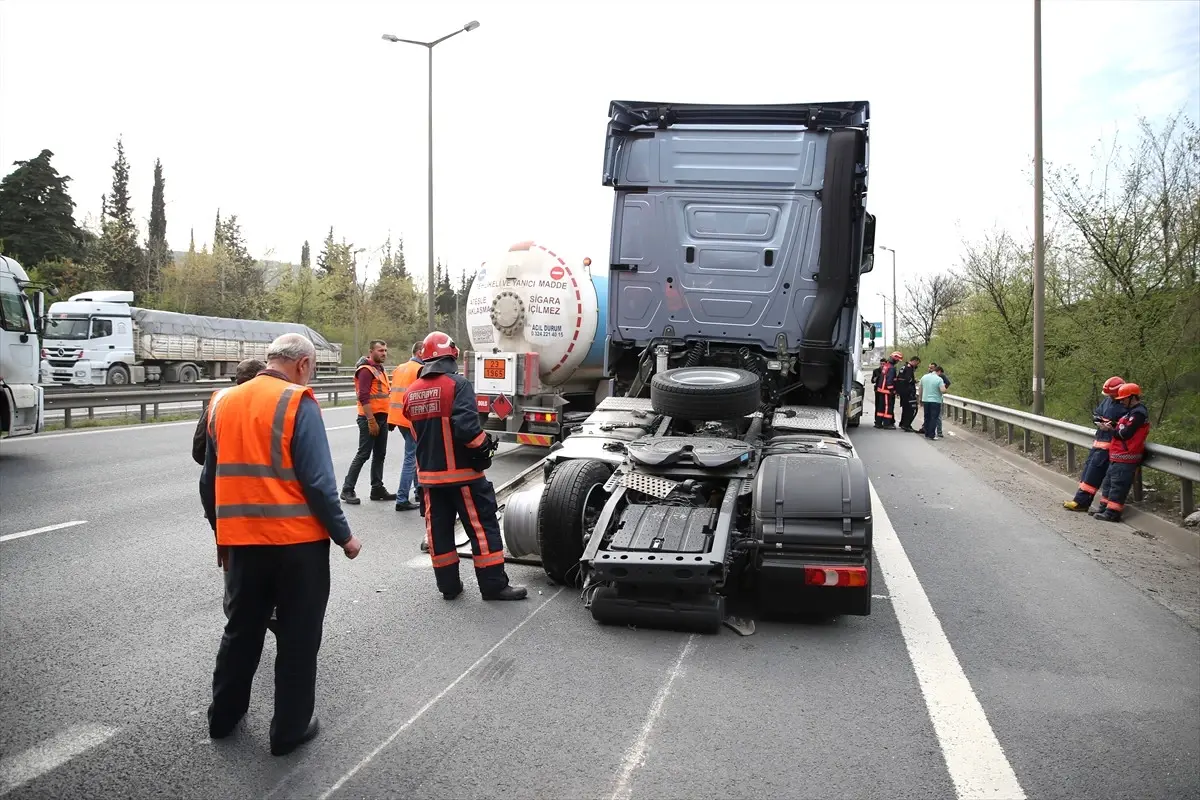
(669, 522)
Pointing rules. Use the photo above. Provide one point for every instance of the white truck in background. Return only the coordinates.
(22, 400)
(97, 338)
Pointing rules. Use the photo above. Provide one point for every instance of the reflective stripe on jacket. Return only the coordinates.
(402, 377)
(380, 390)
(258, 499)
(445, 423)
(1129, 439)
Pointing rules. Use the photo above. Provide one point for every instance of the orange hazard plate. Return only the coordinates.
(493, 369)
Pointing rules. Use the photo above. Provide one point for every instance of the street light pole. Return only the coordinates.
(1039, 278)
(470, 26)
(895, 325)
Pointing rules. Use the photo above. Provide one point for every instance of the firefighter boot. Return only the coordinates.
(1071, 505)
(1108, 515)
(509, 592)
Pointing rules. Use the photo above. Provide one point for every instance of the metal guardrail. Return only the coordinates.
(153, 398)
(211, 383)
(1182, 464)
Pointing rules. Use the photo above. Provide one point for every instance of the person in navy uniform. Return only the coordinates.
(452, 453)
(1126, 454)
(1095, 469)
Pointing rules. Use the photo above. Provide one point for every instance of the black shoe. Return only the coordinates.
(348, 496)
(382, 494)
(310, 733)
(406, 506)
(452, 595)
(220, 730)
(1107, 516)
(509, 593)
(424, 546)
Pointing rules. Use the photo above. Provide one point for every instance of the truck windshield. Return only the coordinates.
(67, 328)
(13, 314)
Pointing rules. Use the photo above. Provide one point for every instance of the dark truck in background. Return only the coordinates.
(719, 465)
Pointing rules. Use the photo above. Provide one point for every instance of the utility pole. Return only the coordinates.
(895, 323)
(470, 26)
(1039, 278)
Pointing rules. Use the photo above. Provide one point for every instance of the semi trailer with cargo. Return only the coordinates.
(100, 337)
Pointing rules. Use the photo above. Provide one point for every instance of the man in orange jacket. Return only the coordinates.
(402, 378)
(270, 493)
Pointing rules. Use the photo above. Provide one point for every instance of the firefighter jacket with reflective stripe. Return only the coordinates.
(380, 390)
(441, 407)
(402, 378)
(1111, 411)
(887, 378)
(905, 381)
(1129, 439)
(258, 499)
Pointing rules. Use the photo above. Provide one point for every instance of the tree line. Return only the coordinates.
(221, 277)
(1122, 248)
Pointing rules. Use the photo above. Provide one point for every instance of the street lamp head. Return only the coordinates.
(470, 26)
(391, 37)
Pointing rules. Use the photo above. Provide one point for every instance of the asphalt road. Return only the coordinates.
(1001, 660)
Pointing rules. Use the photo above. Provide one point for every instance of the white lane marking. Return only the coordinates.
(340, 427)
(420, 562)
(23, 767)
(421, 712)
(10, 536)
(41, 437)
(636, 753)
(974, 757)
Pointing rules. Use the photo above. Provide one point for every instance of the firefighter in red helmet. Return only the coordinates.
(452, 453)
(1125, 455)
(1095, 469)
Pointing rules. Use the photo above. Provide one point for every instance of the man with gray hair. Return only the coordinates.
(270, 494)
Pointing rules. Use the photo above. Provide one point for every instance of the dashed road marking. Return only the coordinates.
(636, 753)
(436, 698)
(20, 769)
(10, 536)
(974, 758)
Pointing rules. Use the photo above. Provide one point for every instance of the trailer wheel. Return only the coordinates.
(705, 393)
(188, 373)
(118, 375)
(572, 500)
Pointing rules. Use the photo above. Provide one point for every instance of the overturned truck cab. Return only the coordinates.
(739, 237)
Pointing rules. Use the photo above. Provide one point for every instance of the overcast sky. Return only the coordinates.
(296, 116)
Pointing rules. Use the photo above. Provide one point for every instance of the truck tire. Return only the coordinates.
(705, 393)
(118, 375)
(573, 493)
(188, 373)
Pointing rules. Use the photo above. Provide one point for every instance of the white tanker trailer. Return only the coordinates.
(536, 321)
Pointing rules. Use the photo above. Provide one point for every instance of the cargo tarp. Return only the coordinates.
(168, 323)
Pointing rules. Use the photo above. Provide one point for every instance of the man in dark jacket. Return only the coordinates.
(246, 370)
(906, 392)
(452, 453)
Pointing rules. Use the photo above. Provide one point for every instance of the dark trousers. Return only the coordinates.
(293, 579)
(1095, 470)
(1116, 486)
(885, 407)
(372, 447)
(475, 504)
(929, 422)
(909, 401)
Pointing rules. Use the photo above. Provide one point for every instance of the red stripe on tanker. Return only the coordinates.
(532, 300)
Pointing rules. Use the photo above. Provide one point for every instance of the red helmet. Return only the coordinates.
(1112, 384)
(898, 355)
(438, 345)
(1128, 390)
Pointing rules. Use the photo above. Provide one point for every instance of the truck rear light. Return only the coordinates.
(835, 576)
(541, 416)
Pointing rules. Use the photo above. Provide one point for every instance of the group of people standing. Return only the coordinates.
(896, 380)
(270, 495)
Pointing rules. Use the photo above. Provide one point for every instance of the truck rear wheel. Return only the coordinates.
(118, 375)
(705, 393)
(572, 500)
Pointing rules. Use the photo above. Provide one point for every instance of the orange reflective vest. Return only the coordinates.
(402, 378)
(258, 499)
(380, 389)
